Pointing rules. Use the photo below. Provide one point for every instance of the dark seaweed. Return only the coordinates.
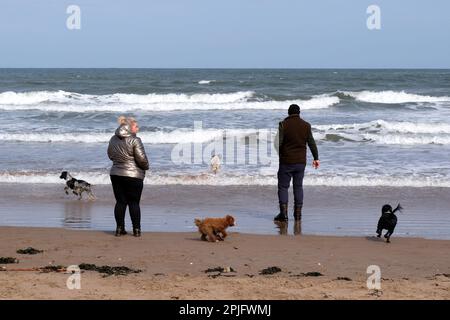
(7, 260)
(29, 250)
(270, 270)
(108, 270)
(218, 269)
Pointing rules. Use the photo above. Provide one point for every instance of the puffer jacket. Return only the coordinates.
(127, 154)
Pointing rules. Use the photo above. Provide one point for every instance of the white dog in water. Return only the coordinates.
(215, 164)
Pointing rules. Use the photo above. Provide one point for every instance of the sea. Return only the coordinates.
(372, 127)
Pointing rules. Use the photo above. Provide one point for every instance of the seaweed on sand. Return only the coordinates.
(6, 260)
(108, 270)
(270, 270)
(29, 250)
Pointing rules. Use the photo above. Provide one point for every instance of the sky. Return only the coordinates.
(225, 34)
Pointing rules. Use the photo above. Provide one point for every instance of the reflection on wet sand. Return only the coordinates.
(283, 227)
(77, 214)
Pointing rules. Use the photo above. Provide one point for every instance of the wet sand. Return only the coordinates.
(342, 211)
(173, 266)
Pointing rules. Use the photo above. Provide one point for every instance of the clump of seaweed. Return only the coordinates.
(344, 278)
(7, 260)
(108, 270)
(57, 268)
(310, 274)
(220, 272)
(270, 270)
(29, 250)
(220, 269)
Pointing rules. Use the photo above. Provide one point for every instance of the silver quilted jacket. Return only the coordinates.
(127, 154)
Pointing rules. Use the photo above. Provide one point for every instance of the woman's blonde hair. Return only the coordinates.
(123, 120)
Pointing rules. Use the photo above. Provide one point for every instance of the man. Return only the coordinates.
(294, 134)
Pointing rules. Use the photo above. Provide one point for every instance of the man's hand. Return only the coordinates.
(316, 164)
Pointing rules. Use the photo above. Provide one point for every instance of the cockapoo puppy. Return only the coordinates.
(213, 229)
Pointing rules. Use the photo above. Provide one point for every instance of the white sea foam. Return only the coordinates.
(406, 139)
(388, 132)
(392, 126)
(379, 131)
(206, 81)
(158, 137)
(102, 178)
(36, 97)
(62, 101)
(393, 97)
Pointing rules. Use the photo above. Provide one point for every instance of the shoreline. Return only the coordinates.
(343, 211)
(173, 266)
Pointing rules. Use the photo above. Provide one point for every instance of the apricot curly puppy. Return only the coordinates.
(213, 229)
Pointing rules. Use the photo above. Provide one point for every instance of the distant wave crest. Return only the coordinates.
(393, 97)
(62, 101)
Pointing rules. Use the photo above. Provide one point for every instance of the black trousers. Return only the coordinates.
(127, 192)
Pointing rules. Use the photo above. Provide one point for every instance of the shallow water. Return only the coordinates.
(327, 211)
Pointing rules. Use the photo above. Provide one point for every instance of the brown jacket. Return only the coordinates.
(294, 134)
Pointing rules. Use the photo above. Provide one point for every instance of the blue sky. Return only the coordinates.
(225, 34)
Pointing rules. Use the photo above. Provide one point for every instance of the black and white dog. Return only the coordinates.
(77, 186)
(388, 221)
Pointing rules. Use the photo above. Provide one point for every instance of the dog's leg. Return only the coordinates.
(66, 190)
(224, 234)
(211, 236)
(91, 196)
(219, 236)
(204, 237)
(388, 236)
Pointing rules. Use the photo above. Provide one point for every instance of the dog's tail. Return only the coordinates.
(198, 222)
(399, 208)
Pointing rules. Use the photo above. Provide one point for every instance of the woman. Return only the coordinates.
(127, 173)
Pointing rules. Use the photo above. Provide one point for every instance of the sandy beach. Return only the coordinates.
(173, 266)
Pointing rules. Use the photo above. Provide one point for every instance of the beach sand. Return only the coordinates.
(173, 266)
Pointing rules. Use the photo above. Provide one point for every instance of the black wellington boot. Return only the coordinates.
(120, 231)
(136, 232)
(282, 216)
(298, 213)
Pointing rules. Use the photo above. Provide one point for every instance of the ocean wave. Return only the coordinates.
(62, 101)
(206, 81)
(378, 131)
(157, 137)
(386, 132)
(206, 179)
(38, 97)
(392, 97)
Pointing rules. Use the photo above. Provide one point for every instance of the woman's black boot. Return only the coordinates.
(120, 231)
(136, 232)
